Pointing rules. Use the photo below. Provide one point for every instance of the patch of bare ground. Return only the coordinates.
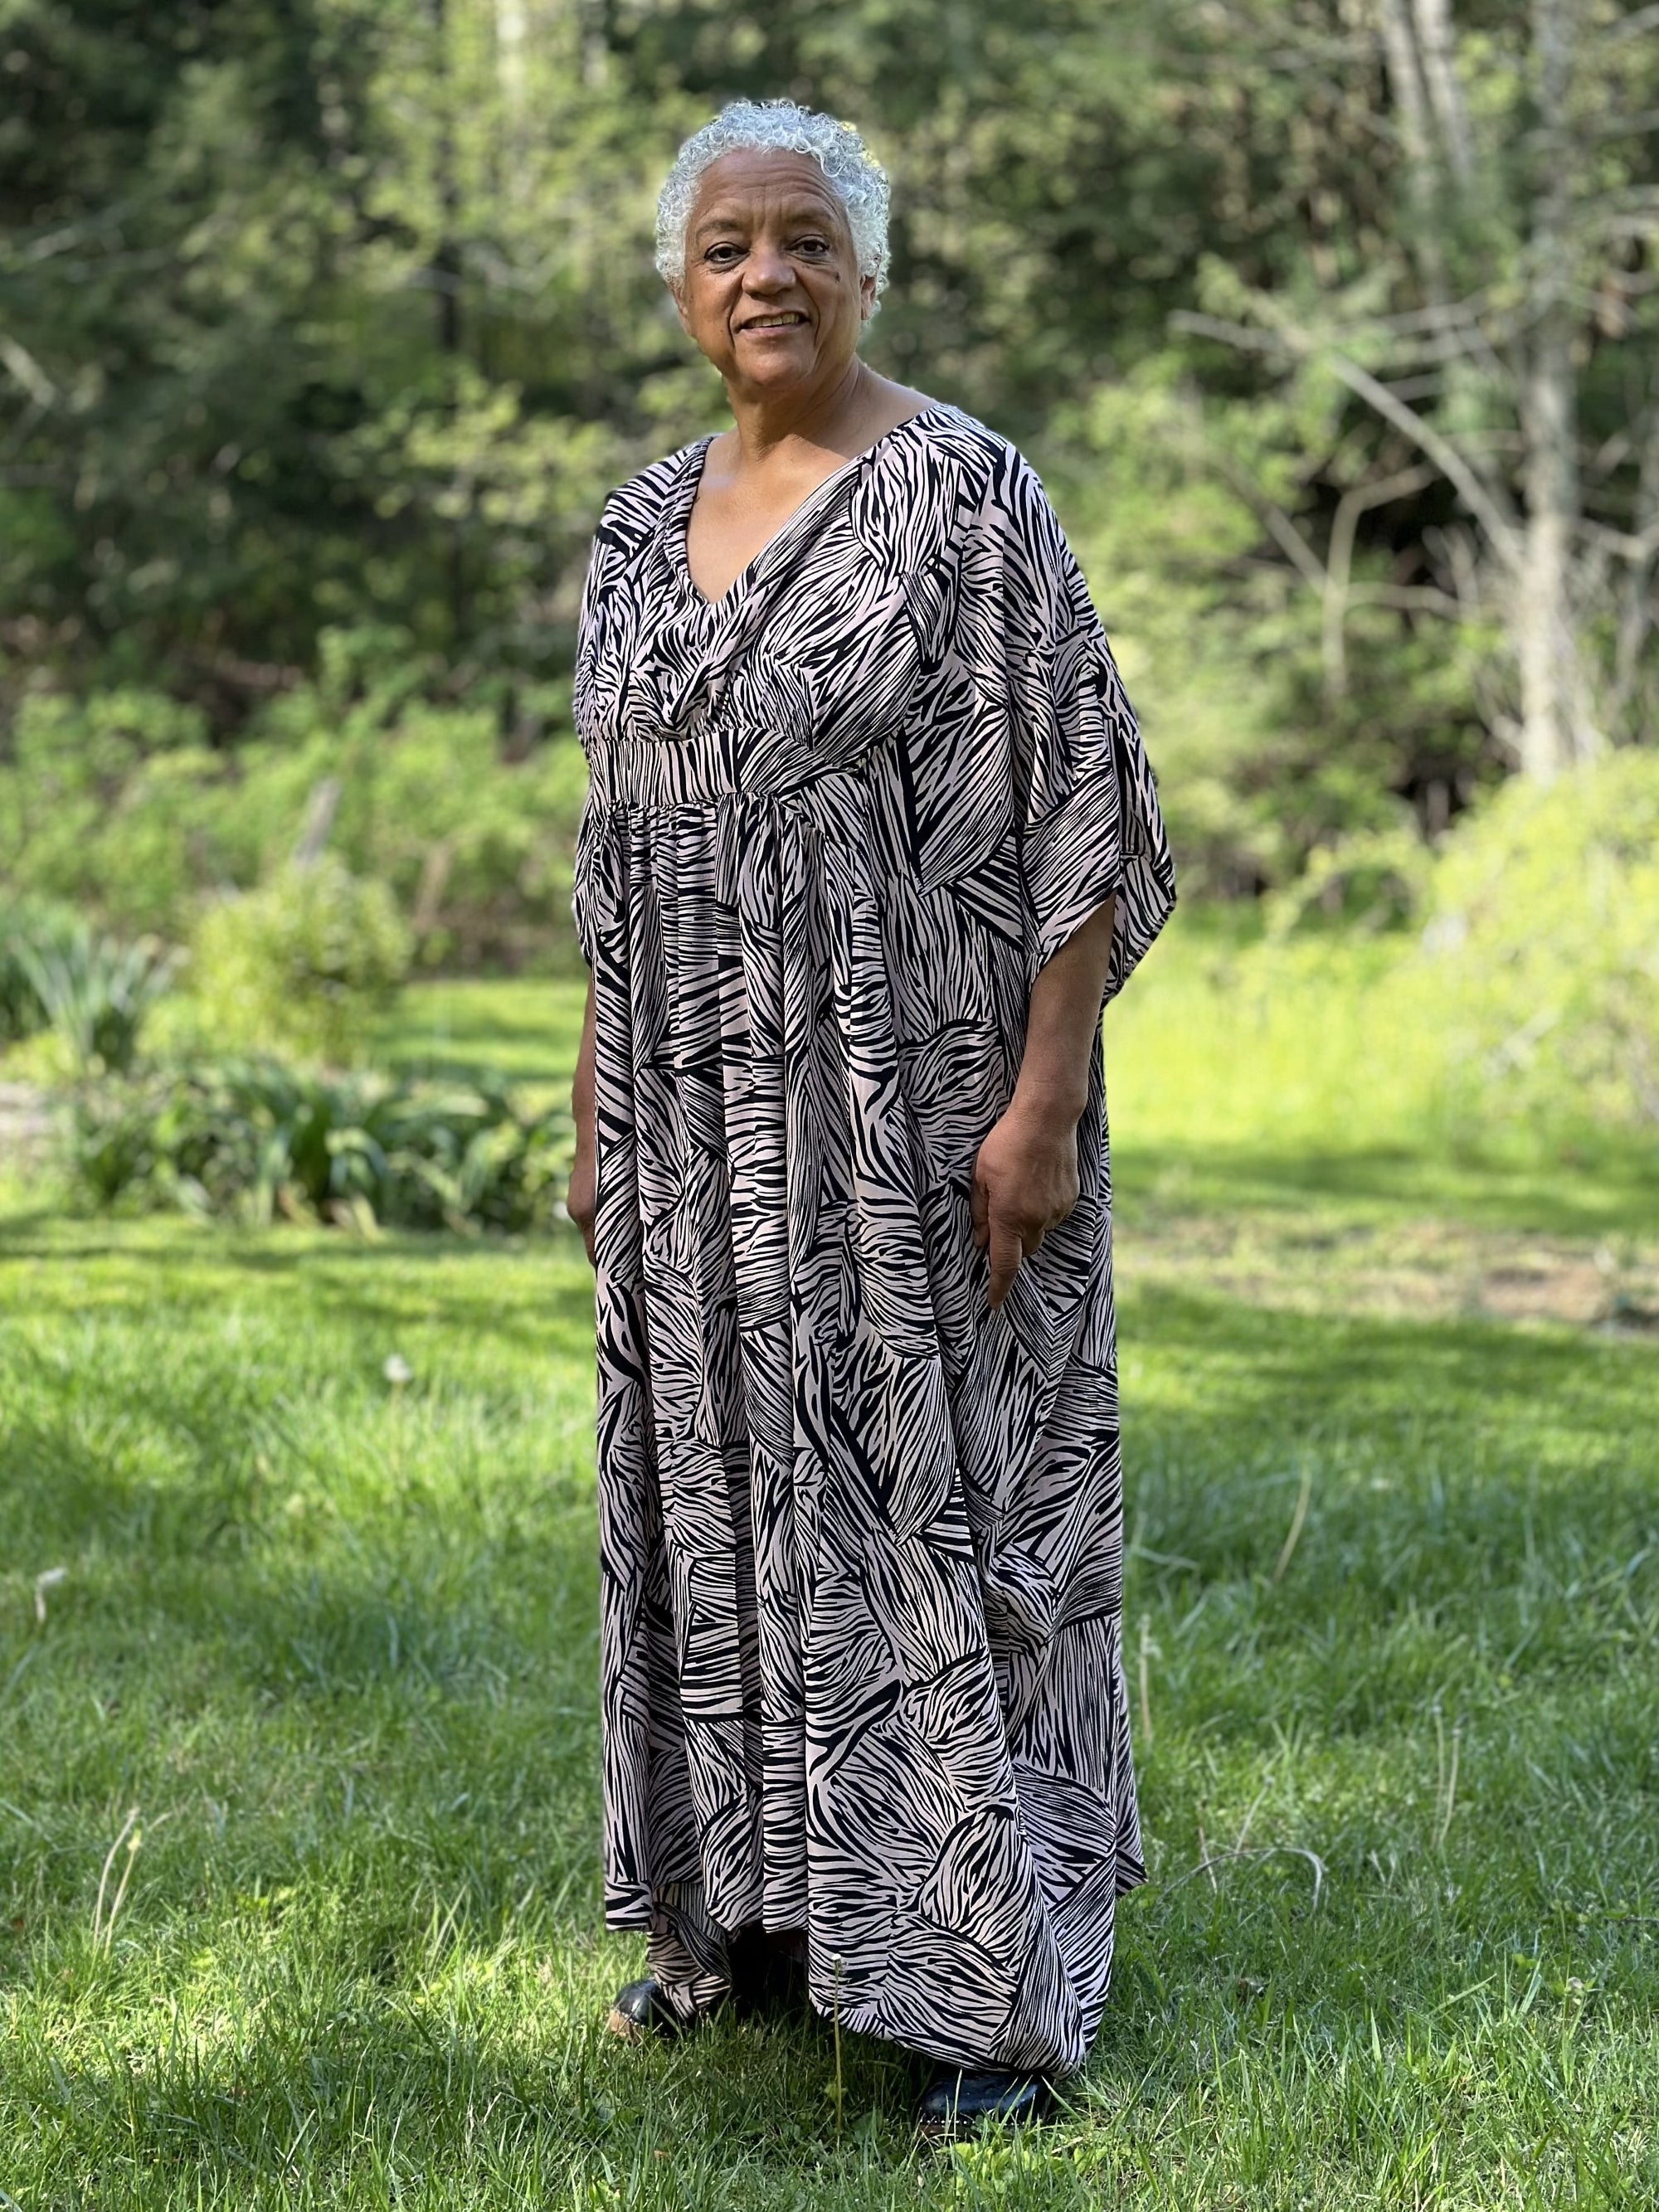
(26, 1123)
(1414, 1270)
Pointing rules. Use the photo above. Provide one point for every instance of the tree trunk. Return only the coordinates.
(1556, 729)
(445, 268)
(1405, 84)
(1434, 47)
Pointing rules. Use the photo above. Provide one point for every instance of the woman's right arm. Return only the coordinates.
(579, 1198)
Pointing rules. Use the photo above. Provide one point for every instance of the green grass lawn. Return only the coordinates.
(1392, 1620)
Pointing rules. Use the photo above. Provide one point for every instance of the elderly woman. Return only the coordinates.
(870, 838)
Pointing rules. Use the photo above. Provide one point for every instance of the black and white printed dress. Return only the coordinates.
(861, 1538)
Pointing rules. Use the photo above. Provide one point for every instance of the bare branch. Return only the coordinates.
(1451, 547)
(1481, 501)
(1338, 562)
(1306, 562)
(1406, 83)
(1485, 503)
(1410, 599)
(24, 369)
(1621, 542)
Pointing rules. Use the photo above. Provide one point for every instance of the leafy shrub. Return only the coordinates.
(27, 925)
(252, 1139)
(304, 963)
(477, 847)
(1371, 880)
(119, 803)
(95, 991)
(1541, 958)
(108, 803)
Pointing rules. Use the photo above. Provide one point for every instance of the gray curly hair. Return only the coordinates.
(856, 177)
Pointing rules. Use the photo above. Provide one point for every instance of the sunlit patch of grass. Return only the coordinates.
(334, 1638)
(1392, 1631)
(1295, 1087)
(525, 1028)
(1304, 1084)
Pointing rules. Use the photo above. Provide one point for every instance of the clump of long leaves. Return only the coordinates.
(94, 991)
(29, 927)
(253, 1140)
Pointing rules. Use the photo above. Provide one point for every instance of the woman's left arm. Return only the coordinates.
(1025, 1177)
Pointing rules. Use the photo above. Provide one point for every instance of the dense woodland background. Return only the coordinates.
(327, 324)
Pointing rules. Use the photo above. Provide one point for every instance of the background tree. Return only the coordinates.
(1507, 340)
(326, 325)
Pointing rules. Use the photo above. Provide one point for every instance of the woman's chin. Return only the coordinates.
(774, 371)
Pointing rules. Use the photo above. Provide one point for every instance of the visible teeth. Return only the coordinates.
(773, 322)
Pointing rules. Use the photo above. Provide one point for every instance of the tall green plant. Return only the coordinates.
(96, 993)
(1542, 956)
(27, 926)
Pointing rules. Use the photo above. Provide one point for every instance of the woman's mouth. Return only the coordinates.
(787, 320)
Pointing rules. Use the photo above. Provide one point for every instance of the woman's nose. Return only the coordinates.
(767, 269)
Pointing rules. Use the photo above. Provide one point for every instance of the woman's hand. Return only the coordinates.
(1025, 1183)
(1025, 1178)
(581, 1197)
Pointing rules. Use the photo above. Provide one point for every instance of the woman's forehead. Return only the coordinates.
(751, 178)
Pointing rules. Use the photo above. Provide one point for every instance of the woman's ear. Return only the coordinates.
(676, 294)
(867, 297)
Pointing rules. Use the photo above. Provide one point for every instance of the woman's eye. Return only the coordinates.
(722, 256)
(812, 246)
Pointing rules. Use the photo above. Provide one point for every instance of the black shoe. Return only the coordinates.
(957, 2101)
(766, 1979)
(642, 2009)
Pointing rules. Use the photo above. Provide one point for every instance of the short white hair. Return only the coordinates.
(856, 177)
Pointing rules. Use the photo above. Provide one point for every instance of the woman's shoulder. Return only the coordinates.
(972, 466)
(632, 511)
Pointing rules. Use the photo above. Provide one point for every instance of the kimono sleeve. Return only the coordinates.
(586, 709)
(1085, 805)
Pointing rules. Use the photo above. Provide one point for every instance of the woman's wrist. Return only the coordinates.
(1050, 1105)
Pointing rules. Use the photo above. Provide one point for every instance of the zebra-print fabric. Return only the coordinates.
(860, 1537)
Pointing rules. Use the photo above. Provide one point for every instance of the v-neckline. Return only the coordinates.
(680, 517)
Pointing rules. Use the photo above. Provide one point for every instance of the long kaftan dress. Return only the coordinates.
(860, 1537)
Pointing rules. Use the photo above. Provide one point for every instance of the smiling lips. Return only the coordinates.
(783, 322)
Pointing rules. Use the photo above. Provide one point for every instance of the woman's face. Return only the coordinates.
(772, 292)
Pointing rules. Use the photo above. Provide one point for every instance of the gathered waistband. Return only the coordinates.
(710, 766)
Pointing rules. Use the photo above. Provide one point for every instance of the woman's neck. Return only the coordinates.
(829, 417)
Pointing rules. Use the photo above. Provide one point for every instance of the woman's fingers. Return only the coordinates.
(1007, 1250)
(1022, 1187)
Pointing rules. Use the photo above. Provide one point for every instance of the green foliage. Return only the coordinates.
(28, 926)
(108, 801)
(334, 320)
(305, 962)
(1369, 880)
(253, 1139)
(1543, 951)
(1519, 1008)
(472, 827)
(116, 802)
(96, 993)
